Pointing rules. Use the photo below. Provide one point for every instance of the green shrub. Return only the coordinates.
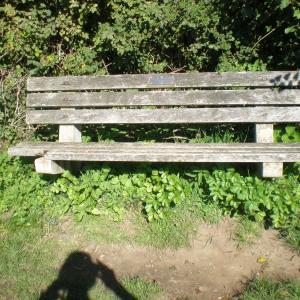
(151, 190)
(275, 201)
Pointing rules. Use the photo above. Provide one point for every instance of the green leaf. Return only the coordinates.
(95, 211)
(284, 3)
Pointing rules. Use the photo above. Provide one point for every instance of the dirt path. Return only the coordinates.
(212, 268)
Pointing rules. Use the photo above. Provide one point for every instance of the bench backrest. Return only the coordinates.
(239, 97)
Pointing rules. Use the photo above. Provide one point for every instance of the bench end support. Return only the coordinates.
(47, 166)
(271, 170)
(264, 134)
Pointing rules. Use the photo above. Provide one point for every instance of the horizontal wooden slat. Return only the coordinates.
(166, 116)
(159, 152)
(165, 98)
(183, 80)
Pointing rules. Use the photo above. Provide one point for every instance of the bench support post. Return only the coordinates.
(47, 166)
(264, 134)
(67, 133)
(70, 134)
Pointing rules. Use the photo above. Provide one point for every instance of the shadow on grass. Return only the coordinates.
(78, 275)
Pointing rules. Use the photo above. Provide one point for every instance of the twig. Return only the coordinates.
(177, 70)
(106, 65)
(262, 38)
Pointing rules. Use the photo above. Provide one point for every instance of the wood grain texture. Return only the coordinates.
(165, 98)
(166, 116)
(183, 80)
(160, 152)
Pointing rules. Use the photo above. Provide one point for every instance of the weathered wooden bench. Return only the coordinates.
(261, 98)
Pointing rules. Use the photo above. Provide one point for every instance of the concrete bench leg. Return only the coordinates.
(71, 134)
(46, 166)
(264, 134)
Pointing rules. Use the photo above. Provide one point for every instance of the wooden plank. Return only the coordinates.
(166, 116)
(40, 148)
(203, 157)
(160, 152)
(183, 80)
(165, 98)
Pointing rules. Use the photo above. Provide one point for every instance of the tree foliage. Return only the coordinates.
(137, 36)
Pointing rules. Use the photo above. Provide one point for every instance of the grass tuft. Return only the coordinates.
(246, 232)
(265, 289)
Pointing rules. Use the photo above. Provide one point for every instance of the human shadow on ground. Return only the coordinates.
(78, 275)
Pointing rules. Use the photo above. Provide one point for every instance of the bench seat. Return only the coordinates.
(160, 152)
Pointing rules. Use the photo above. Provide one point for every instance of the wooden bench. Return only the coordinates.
(261, 98)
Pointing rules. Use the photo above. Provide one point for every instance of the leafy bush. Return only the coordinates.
(274, 201)
(149, 189)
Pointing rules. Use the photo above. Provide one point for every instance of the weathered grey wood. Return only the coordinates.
(47, 166)
(165, 98)
(160, 152)
(184, 80)
(166, 116)
(264, 134)
(40, 148)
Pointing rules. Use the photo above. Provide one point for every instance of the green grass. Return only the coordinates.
(142, 289)
(31, 258)
(292, 234)
(174, 231)
(246, 232)
(177, 227)
(265, 289)
(104, 229)
(24, 262)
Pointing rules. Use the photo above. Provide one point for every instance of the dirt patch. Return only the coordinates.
(212, 268)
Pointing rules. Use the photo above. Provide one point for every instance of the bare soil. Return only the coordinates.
(211, 268)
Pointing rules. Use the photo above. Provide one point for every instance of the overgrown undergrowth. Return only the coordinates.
(151, 190)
